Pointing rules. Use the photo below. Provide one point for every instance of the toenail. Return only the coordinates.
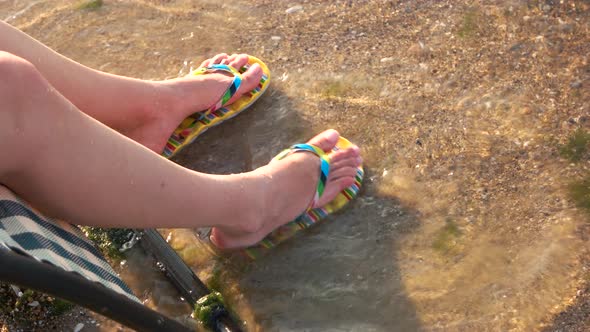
(333, 136)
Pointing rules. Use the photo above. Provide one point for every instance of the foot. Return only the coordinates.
(343, 168)
(178, 98)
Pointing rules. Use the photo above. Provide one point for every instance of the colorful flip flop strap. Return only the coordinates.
(231, 90)
(324, 166)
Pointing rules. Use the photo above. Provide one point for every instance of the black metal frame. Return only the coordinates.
(185, 280)
(26, 272)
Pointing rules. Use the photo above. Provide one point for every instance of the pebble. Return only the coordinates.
(383, 60)
(34, 304)
(79, 327)
(276, 38)
(294, 9)
(419, 50)
(576, 84)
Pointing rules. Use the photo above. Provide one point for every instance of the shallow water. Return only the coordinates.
(464, 222)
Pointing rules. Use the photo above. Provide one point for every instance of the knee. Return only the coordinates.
(17, 77)
(20, 82)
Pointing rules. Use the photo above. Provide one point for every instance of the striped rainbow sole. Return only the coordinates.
(196, 124)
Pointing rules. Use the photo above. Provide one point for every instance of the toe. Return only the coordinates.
(251, 78)
(347, 171)
(218, 58)
(333, 188)
(205, 63)
(239, 61)
(326, 140)
(342, 183)
(229, 59)
(349, 154)
(349, 162)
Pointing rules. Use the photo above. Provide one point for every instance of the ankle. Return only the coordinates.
(254, 213)
(159, 103)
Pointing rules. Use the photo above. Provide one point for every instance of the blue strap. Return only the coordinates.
(231, 90)
(324, 165)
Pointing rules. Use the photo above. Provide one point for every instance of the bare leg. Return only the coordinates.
(73, 167)
(146, 111)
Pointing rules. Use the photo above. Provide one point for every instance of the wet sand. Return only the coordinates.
(462, 110)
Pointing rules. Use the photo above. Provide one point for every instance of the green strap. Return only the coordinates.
(324, 166)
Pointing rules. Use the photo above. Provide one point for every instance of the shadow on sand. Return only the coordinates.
(341, 274)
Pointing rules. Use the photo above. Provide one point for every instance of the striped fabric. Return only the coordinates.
(233, 88)
(26, 231)
(196, 124)
(324, 166)
(311, 216)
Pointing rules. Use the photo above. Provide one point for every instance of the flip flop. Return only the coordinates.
(198, 123)
(312, 215)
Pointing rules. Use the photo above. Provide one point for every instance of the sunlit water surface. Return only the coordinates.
(464, 222)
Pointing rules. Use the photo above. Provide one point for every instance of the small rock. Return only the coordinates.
(387, 60)
(275, 38)
(34, 304)
(79, 327)
(516, 47)
(566, 28)
(576, 84)
(420, 50)
(294, 9)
